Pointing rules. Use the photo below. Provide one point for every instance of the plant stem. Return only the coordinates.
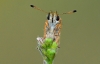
(48, 61)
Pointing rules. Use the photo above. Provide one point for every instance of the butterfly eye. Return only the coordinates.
(57, 18)
(52, 20)
(48, 17)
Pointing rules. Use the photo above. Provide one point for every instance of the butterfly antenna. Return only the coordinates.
(70, 12)
(38, 8)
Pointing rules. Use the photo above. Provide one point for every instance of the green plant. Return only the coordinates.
(48, 49)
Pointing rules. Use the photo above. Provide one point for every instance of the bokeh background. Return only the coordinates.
(20, 25)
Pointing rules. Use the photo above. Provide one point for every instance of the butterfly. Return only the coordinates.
(53, 24)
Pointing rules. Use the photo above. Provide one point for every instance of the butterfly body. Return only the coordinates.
(52, 26)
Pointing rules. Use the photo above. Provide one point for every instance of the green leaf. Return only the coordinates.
(54, 45)
(48, 42)
(51, 54)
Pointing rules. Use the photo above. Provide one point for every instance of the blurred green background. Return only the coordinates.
(20, 25)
